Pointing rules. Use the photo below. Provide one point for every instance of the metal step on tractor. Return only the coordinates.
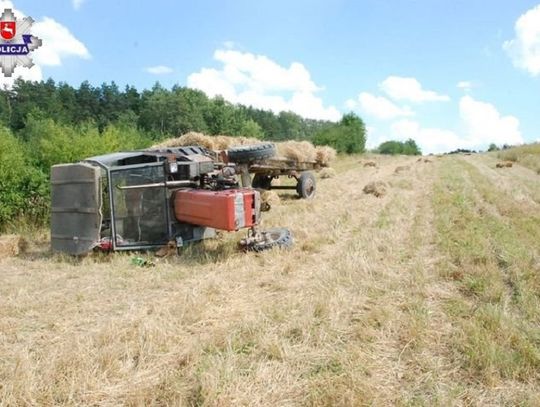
(149, 199)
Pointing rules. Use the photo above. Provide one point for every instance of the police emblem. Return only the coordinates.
(16, 42)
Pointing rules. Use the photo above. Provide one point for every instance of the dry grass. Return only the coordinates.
(527, 155)
(425, 296)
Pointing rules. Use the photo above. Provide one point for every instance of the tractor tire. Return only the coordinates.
(249, 153)
(261, 181)
(279, 237)
(307, 185)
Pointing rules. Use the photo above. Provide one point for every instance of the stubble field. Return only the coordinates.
(428, 295)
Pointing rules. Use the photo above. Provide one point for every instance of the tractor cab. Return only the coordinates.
(123, 201)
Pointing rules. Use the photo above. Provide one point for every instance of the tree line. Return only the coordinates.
(158, 112)
(46, 123)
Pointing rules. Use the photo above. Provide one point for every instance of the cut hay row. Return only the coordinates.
(301, 151)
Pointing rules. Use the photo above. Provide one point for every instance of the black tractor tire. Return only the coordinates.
(279, 237)
(307, 185)
(249, 153)
(261, 181)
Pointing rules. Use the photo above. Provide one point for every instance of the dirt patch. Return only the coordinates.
(377, 188)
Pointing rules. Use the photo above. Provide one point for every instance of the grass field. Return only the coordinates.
(527, 155)
(429, 295)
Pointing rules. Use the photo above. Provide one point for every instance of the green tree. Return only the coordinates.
(347, 136)
(393, 147)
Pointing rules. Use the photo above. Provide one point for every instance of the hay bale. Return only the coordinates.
(189, 139)
(226, 142)
(301, 151)
(377, 188)
(169, 250)
(324, 155)
(270, 197)
(223, 142)
(505, 164)
(327, 173)
(401, 168)
(11, 246)
(370, 164)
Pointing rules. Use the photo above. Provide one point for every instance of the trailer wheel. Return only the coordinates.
(250, 153)
(306, 186)
(275, 237)
(261, 181)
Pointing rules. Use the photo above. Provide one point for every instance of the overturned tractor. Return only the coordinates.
(148, 199)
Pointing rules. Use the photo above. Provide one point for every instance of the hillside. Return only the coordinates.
(428, 295)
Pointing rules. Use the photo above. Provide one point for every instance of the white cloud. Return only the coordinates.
(28, 74)
(58, 43)
(77, 4)
(430, 140)
(159, 70)
(465, 85)
(401, 88)
(258, 81)
(381, 108)
(524, 49)
(484, 124)
(351, 104)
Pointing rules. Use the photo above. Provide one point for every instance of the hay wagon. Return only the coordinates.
(260, 161)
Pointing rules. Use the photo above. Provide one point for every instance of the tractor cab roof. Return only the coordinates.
(146, 156)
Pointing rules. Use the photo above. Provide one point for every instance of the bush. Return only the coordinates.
(23, 188)
(392, 147)
(58, 143)
(348, 136)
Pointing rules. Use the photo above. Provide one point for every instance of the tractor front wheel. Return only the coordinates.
(270, 238)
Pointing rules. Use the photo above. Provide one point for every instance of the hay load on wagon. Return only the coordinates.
(298, 151)
(267, 161)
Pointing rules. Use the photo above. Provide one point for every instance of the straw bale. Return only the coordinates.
(11, 245)
(327, 173)
(189, 139)
(301, 151)
(270, 197)
(377, 188)
(401, 168)
(324, 155)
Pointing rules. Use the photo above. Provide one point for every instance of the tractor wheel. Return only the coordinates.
(275, 237)
(307, 185)
(249, 153)
(261, 181)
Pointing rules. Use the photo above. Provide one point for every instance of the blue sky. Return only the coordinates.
(396, 63)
